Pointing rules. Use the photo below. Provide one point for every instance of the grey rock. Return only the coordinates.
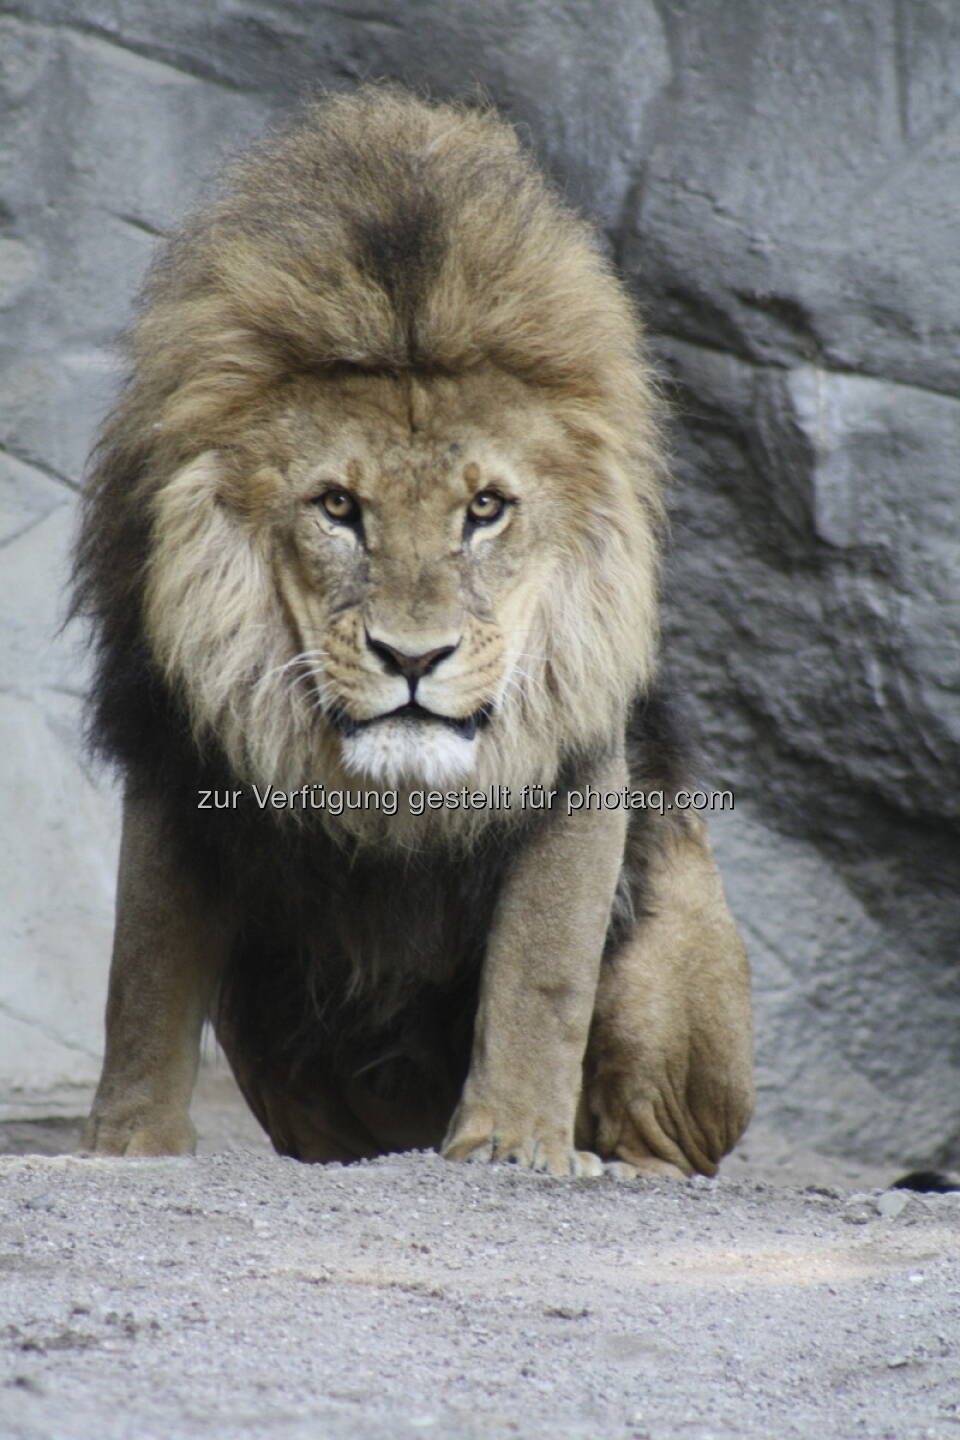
(892, 1203)
(815, 613)
(778, 183)
(859, 1210)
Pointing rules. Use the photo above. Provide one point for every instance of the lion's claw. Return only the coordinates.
(546, 1157)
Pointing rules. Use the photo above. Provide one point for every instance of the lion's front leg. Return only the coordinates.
(538, 991)
(167, 953)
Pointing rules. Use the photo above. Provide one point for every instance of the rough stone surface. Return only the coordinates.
(791, 239)
(779, 184)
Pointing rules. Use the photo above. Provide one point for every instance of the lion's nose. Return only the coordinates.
(411, 667)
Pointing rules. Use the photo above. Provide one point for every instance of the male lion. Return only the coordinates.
(377, 513)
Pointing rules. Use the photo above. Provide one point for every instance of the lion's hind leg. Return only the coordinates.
(668, 1075)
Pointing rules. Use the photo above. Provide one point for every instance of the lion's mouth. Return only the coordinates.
(465, 726)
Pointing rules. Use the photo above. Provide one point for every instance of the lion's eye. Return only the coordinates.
(486, 506)
(339, 505)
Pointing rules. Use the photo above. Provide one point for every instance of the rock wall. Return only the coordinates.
(779, 183)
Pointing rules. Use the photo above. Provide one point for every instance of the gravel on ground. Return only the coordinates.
(239, 1294)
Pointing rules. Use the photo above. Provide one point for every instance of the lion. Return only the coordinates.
(370, 552)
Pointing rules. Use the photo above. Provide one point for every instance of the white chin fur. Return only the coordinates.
(395, 752)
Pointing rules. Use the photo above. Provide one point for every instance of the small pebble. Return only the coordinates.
(892, 1203)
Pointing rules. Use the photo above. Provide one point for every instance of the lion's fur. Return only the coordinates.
(380, 240)
(386, 296)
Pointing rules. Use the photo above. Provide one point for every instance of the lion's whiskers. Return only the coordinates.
(521, 683)
(303, 659)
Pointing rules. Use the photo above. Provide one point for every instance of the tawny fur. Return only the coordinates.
(267, 308)
(389, 302)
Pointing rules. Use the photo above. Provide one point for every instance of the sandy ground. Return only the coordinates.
(238, 1294)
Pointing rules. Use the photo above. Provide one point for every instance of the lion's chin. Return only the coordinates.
(403, 752)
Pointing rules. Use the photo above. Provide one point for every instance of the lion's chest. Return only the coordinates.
(348, 965)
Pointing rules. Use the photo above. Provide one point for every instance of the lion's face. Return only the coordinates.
(405, 582)
(413, 570)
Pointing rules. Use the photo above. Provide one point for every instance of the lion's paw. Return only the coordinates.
(643, 1170)
(547, 1157)
(161, 1136)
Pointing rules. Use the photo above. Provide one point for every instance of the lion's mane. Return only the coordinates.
(378, 234)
